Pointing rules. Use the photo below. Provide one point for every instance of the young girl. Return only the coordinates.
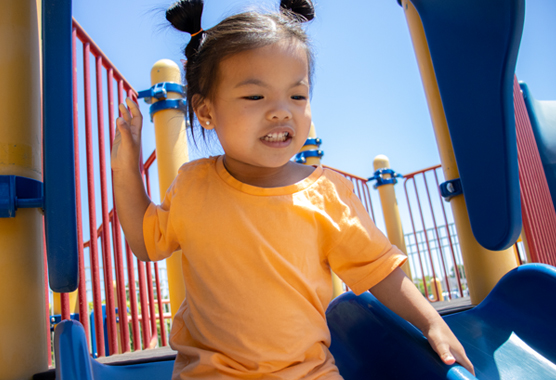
(259, 233)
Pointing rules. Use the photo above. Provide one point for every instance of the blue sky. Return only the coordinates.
(367, 98)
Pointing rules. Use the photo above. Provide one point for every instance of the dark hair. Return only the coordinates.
(241, 32)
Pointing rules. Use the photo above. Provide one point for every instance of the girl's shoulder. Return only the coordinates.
(338, 179)
(199, 166)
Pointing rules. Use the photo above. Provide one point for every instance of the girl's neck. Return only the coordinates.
(285, 175)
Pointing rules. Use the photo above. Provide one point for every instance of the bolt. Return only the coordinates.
(450, 187)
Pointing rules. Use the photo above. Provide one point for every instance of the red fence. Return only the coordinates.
(137, 284)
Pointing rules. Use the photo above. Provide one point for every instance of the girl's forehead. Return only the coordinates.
(285, 56)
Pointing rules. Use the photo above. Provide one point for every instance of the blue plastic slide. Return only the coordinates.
(510, 335)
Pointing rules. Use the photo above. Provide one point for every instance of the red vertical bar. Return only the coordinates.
(160, 306)
(64, 301)
(426, 236)
(106, 251)
(82, 290)
(415, 235)
(144, 303)
(133, 299)
(130, 267)
(154, 331)
(152, 313)
(93, 253)
(440, 251)
(118, 259)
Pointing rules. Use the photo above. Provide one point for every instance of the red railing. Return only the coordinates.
(432, 256)
(142, 320)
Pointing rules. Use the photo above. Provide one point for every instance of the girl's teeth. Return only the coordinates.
(276, 137)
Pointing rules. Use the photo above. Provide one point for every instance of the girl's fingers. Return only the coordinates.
(133, 108)
(125, 113)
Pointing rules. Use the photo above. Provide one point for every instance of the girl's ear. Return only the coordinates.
(203, 110)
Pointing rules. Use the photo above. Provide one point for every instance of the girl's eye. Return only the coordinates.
(299, 97)
(253, 97)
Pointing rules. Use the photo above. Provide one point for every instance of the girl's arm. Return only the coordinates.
(400, 295)
(130, 196)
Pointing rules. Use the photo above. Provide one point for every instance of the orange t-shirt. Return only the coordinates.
(256, 265)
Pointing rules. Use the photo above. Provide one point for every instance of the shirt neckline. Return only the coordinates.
(266, 191)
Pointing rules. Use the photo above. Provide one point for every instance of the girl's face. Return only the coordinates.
(260, 108)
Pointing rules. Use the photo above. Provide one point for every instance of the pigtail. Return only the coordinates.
(185, 15)
(301, 10)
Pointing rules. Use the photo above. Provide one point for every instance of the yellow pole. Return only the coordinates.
(171, 153)
(436, 289)
(23, 324)
(483, 268)
(391, 212)
(337, 287)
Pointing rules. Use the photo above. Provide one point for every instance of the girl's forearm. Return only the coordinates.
(131, 203)
(400, 295)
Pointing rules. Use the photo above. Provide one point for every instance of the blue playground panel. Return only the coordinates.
(510, 335)
(473, 46)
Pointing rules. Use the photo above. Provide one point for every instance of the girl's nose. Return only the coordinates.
(280, 111)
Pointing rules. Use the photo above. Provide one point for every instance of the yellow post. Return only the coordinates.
(23, 324)
(337, 287)
(436, 289)
(171, 153)
(483, 268)
(391, 212)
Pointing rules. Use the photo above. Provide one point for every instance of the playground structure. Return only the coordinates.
(476, 259)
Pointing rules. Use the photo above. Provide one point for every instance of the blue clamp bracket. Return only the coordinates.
(19, 192)
(313, 141)
(381, 181)
(450, 189)
(160, 92)
(301, 157)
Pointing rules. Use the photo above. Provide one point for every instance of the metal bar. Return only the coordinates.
(93, 252)
(426, 237)
(133, 299)
(106, 251)
(415, 236)
(152, 313)
(118, 259)
(160, 306)
(144, 304)
(130, 266)
(440, 252)
(82, 290)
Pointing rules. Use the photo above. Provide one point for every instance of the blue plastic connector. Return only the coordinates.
(381, 181)
(450, 189)
(19, 192)
(301, 157)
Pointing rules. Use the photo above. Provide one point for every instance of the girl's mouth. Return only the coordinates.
(276, 137)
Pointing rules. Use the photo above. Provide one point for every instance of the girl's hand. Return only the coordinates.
(447, 346)
(126, 148)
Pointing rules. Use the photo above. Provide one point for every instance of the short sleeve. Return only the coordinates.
(364, 256)
(159, 233)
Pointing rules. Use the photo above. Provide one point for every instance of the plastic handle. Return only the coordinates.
(58, 151)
